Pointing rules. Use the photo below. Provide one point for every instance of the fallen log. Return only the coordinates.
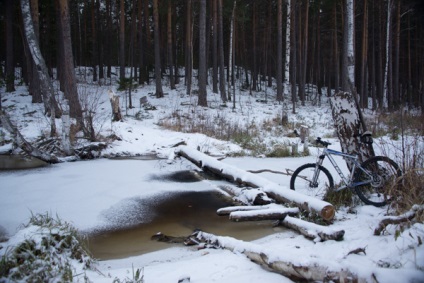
(273, 190)
(317, 233)
(406, 217)
(248, 196)
(20, 141)
(298, 268)
(258, 213)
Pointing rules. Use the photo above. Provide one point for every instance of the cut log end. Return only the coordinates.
(328, 212)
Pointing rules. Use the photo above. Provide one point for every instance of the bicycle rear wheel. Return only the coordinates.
(381, 186)
(301, 180)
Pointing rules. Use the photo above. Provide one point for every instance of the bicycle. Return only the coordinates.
(373, 181)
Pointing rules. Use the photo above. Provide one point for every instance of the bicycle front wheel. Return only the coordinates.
(302, 180)
(380, 177)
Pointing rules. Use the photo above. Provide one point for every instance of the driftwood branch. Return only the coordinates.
(22, 143)
(273, 190)
(407, 216)
(288, 172)
(313, 231)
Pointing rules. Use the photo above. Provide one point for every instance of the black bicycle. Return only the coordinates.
(374, 181)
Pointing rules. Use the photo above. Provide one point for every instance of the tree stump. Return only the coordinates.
(116, 110)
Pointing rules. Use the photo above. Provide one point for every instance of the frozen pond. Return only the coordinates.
(120, 204)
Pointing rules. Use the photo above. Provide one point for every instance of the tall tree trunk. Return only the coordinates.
(287, 51)
(10, 62)
(202, 101)
(221, 54)
(189, 48)
(215, 46)
(303, 56)
(141, 49)
(348, 56)
(364, 62)
(388, 70)
(34, 81)
(170, 49)
(158, 77)
(94, 55)
(293, 53)
(70, 82)
(122, 40)
(46, 84)
(108, 51)
(231, 55)
(280, 50)
(254, 53)
(336, 49)
(396, 87)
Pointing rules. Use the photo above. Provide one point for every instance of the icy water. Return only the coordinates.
(176, 214)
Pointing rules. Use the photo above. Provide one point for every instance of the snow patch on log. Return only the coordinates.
(313, 231)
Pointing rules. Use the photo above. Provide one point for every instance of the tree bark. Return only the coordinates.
(46, 85)
(170, 49)
(280, 50)
(202, 101)
(10, 62)
(280, 194)
(348, 126)
(221, 53)
(214, 46)
(158, 75)
(122, 40)
(68, 70)
(189, 48)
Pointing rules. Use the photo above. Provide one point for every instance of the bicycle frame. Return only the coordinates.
(355, 164)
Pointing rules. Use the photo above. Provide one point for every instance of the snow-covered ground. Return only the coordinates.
(98, 194)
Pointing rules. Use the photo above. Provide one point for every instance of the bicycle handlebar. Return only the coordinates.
(324, 143)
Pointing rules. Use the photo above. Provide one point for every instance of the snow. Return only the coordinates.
(102, 194)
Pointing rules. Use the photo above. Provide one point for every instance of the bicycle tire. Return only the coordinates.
(386, 175)
(301, 180)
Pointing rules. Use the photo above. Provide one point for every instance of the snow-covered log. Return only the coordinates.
(407, 216)
(22, 143)
(258, 213)
(298, 268)
(275, 191)
(247, 196)
(313, 231)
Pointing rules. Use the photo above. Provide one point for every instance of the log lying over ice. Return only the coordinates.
(313, 231)
(279, 193)
(22, 143)
(257, 213)
(295, 267)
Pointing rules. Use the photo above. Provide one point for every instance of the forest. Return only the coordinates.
(295, 43)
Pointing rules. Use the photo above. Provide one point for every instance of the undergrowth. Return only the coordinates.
(49, 252)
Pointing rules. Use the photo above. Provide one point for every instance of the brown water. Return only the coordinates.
(178, 214)
(13, 162)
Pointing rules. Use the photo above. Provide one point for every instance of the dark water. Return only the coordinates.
(177, 214)
(14, 162)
